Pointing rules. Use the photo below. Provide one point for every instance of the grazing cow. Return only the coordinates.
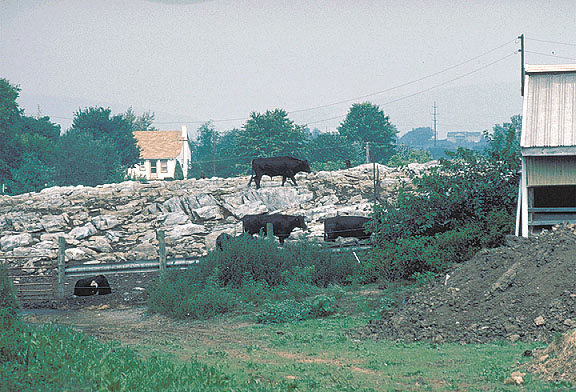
(90, 286)
(222, 239)
(285, 166)
(282, 224)
(345, 226)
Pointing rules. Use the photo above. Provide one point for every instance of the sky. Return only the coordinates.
(192, 61)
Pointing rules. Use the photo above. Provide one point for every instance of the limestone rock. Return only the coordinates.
(9, 242)
(105, 222)
(83, 232)
(54, 223)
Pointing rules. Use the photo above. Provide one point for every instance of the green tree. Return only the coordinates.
(85, 159)
(269, 134)
(367, 123)
(115, 131)
(405, 155)
(204, 148)
(178, 173)
(140, 123)
(10, 115)
(32, 175)
(421, 137)
(328, 148)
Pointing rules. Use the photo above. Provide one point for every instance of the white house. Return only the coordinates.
(547, 193)
(159, 153)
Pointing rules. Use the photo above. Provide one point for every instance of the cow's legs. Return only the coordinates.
(257, 179)
(293, 180)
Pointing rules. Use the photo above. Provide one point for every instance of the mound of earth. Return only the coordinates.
(525, 290)
(556, 362)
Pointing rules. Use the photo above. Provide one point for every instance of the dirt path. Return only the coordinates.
(133, 325)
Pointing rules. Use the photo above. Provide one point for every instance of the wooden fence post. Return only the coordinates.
(161, 250)
(61, 267)
(270, 231)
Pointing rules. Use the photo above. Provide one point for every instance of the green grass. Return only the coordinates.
(319, 355)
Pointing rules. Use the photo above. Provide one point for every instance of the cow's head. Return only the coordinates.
(305, 167)
(300, 222)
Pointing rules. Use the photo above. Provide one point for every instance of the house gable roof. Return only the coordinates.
(549, 115)
(159, 144)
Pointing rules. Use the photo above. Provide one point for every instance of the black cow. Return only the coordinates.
(282, 224)
(222, 239)
(285, 166)
(90, 286)
(345, 226)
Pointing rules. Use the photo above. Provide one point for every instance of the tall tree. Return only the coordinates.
(205, 150)
(268, 134)
(10, 125)
(116, 131)
(367, 123)
(85, 159)
(328, 147)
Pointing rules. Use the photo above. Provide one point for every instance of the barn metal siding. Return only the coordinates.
(546, 171)
(550, 115)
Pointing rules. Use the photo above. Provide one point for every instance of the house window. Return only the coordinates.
(164, 166)
(142, 166)
(153, 167)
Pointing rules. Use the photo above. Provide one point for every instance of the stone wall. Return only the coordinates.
(118, 222)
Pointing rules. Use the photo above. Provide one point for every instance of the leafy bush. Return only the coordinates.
(446, 214)
(291, 310)
(249, 272)
(176, 295)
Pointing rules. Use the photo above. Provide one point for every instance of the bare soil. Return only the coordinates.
(525, 291)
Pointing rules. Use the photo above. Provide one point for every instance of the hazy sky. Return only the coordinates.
(193, 61)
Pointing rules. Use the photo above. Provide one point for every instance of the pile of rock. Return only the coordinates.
(118, 222)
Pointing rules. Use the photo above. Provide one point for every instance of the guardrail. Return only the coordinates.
(138, 266)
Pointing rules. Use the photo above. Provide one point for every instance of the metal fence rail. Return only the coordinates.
(127, 267)
(50, 283)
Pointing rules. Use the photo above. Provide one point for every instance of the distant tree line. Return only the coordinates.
(100, 146)
(272, 133)
(34, 153)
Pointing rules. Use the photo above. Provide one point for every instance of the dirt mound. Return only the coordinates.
(556, 362)
(523, 291)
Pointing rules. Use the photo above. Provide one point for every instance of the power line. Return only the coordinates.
(355, 98)
(428, 89)
(371, 94)
(404, 84)
(551, 55)
(550, 42)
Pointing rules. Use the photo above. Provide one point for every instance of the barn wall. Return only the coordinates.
(546, 171)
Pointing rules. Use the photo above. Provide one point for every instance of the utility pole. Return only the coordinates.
(435, 129)
(213, 152)
(521, 37)
(367, 152)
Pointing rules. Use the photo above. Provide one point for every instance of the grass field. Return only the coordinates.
(318, 355)
(131, 349)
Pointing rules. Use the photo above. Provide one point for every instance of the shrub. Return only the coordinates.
(248, 271)
(403, 258)
(291, 310)
(175, 295)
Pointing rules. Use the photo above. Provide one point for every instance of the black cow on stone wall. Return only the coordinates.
(345, 226)
(282, 224)
(94, 285)
(284, 166)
